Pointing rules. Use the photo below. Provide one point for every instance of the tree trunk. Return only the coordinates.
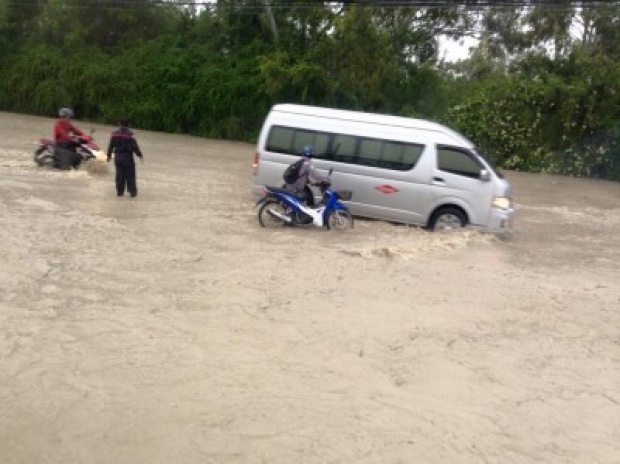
(271, 20)
(586, 37)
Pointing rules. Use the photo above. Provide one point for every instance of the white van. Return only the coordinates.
(399, 169)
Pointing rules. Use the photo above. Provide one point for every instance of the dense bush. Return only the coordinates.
(567, 121)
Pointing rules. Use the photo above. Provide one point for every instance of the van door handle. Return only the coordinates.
(438, 181)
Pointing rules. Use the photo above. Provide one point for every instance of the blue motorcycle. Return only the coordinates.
(280, 207)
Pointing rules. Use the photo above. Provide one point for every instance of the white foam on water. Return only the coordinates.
(585, 215)
(16, 160)
(414, 245)
(13, 184)
(91, 220)
(35, 202)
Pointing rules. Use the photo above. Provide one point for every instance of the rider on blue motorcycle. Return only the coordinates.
(307, 174)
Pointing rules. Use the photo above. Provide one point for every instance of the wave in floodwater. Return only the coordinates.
(17, 160)
(39, 203)
(419, 242)
(15, 185)
(565, 215)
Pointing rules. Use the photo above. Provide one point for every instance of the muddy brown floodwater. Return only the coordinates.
(173, 329)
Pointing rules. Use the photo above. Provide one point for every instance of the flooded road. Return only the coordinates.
(172, 328)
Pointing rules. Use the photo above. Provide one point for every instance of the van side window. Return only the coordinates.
(343, 148)
(387, 154)
(291, 141)
(302, 138)
(390, 155)
(457, 162)
(321, 144)
(370, 152)
(280, 140)
(411, 155)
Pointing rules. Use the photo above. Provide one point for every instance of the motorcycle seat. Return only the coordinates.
(299, 196)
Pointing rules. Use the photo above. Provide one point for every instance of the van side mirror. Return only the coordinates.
(485, 176)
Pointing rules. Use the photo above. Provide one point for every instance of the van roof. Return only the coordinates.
(372, 118)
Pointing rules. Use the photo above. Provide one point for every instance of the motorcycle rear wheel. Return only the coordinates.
(267, 219)
(46, 161)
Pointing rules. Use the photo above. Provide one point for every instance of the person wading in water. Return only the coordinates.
(124, 146)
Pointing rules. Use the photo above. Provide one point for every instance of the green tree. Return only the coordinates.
(4, 26)
(550, 25)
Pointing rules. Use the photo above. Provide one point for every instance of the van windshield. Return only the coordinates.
(491, 164)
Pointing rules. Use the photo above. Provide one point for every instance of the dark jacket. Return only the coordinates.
(123, 145)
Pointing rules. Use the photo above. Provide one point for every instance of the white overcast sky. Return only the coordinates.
(454, 50)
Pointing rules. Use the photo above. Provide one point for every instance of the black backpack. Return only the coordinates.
(291, 175)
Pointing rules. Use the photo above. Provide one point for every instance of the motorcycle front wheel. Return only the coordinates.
(340, 220)
(271, 214)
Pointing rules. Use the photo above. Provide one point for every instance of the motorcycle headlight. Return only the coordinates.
(502, 202)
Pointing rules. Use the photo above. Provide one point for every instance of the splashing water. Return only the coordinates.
(96, 166)
(414, 245)
(19, 160)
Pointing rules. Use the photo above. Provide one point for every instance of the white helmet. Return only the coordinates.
(65, 113)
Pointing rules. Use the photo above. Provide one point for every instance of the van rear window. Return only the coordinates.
(363, 151)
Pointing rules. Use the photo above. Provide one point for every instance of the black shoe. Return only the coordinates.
(120, 194)
(134, 195)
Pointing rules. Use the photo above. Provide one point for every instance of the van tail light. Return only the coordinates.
(255, 164)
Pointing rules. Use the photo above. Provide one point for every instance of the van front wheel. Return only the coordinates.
(448, 219)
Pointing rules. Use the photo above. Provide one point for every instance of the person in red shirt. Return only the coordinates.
(64, 133)
(64, 130)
